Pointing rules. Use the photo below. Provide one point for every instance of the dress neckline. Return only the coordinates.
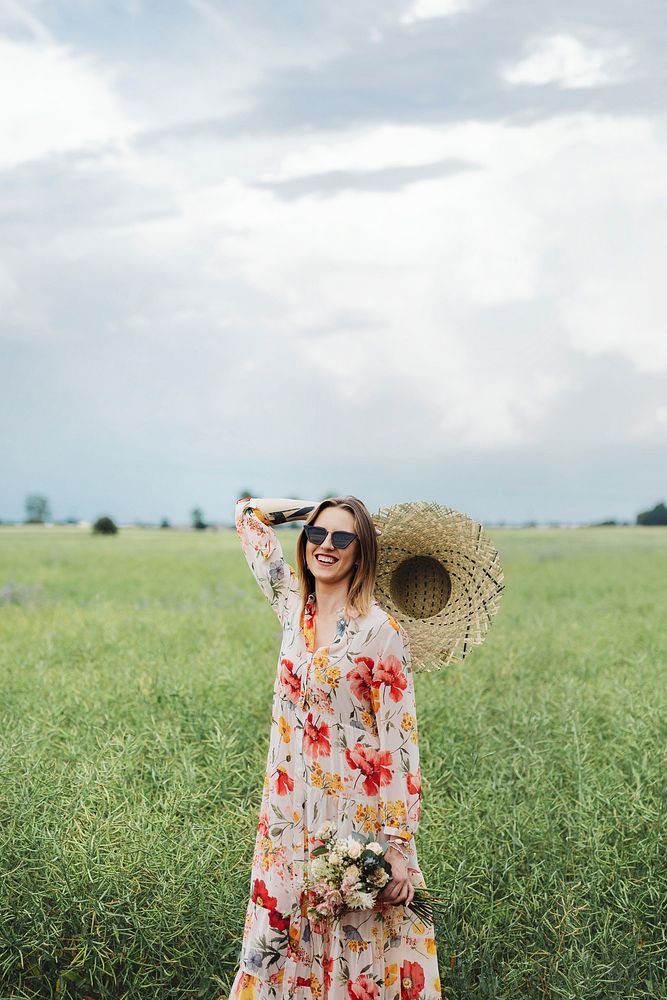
(344, 623)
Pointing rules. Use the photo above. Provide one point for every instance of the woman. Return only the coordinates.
(343, 748)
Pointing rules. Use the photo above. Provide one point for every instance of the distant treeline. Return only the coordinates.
(38, 511)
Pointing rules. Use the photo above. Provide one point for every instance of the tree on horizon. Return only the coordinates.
(198, 522)
(658, 515)
(37, 509)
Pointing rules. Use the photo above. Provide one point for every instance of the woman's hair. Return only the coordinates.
(362, 585)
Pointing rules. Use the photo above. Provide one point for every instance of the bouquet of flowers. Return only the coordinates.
(347, 873)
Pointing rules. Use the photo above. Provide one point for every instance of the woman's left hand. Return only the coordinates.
(400, 890)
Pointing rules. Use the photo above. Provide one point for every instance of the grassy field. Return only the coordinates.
(136, 676)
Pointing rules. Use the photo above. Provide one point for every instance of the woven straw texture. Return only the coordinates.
(440, 577)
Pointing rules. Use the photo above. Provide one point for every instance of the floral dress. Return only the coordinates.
(343, 747)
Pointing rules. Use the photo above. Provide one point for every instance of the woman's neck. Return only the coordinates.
(330, 599)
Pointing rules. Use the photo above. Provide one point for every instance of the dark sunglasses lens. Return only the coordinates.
(315, 535)
(341, 539)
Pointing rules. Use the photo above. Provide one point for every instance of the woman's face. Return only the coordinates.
(342, 566)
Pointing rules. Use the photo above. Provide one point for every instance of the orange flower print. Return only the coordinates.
(392, 621)
(260, 895)
(247, 986)
(360, 678)
(308, 625)
(362, 988)
(375, 765)
(412, 980)
(316, 739)
(390, 974)
(291, 684)
(414, 782)
(284, 782)
(390, 672)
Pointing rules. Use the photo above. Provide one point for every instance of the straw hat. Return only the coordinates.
(439, 576)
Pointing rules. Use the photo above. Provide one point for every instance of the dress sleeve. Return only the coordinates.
(264, 556)
(394, 704)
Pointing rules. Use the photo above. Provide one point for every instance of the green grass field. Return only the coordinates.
(136, 678)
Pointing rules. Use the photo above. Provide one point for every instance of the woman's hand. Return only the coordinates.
(278, 510)
(400, 889)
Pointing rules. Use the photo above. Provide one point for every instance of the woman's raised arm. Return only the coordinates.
(279, 510)
(254, 518)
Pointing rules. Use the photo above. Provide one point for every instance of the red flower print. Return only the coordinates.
(260, 895)
(412, 980)
(284, 782)
(390, 672)
(362, 988)
(414, 782)
(316, 739)
(360, 678)
(279, 920)
(375, 765)
(327, 969)
(263, 825)
(290, 683)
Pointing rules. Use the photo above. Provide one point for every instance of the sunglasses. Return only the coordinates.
(339, 539)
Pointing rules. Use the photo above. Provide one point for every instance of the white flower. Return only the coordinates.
(319, 867)
(335, 858)
(374, 847)
(324, 831)
(352, 872)
(353, 847)
(359, 900)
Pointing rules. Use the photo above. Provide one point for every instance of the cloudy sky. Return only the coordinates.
(405, 250)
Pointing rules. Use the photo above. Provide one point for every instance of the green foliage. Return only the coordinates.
(37, 509)
(164, 523)
(105, 526)
(658, 515)
(198, 522)
(134, 723)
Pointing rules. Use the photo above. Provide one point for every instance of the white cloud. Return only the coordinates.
(16, 14)
(369, 289)
(55, 101)
(426, 10)
(474, 293)
(567, 62)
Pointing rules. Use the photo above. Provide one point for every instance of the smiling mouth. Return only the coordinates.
(326, 561)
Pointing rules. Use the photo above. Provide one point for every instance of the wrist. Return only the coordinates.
(279, 510)
(398, 851)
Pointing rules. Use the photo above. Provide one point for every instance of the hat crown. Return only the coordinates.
(420, 586)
